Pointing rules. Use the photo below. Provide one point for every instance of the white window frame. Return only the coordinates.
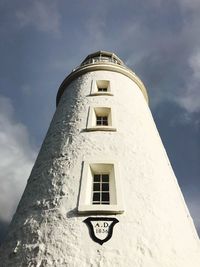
(85, 197)
(95, 84)
(101, 111)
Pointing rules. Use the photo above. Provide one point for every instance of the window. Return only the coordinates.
(100, 189)
(101, 87)
(101, 119)
(103, 116)
(101, 194)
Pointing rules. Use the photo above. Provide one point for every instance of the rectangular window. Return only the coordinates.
(102, 85)
(101, 187)
(100, 119)
(102, 89)
(100, 190)
(103, 116)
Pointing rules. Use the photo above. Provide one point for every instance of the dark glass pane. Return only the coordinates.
(102, 89)
(105, 122)
(98, 122)
(105, 203)
(96, 187)
(105, 197)
(97, 178)
(96, 196)
(105, 178)
(105, 118)
(105, 187)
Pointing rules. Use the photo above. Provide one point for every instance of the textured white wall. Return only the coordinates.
(154, 231)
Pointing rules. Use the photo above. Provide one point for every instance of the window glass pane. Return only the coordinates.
(96, 187)
(105, 121)
(102, 120)
(96, 197)
(102, 89)
(105, 178)
(98, 120)
(105, 197)
(97, 178)
(105, 187)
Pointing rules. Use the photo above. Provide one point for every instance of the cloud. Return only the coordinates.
(190, 99)
(43, 15)
(162, 47)
(16, 159)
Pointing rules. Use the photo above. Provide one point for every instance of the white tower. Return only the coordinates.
(102, 191)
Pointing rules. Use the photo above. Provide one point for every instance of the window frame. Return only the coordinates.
(85, 204)
(94, 112)
(104, 84)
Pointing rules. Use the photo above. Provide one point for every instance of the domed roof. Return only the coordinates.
(102, 56)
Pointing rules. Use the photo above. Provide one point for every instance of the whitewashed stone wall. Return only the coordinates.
(155, 229)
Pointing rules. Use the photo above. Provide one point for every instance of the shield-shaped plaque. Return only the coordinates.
(100, 228)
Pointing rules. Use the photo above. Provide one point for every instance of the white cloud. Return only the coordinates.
(190, 100)
(43, 15)
(16, 159)
(177, 52)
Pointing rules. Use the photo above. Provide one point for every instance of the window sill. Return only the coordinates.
(101, 93)
(101, 128)
(100, 209)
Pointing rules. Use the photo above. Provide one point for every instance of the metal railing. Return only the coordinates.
(100, 59)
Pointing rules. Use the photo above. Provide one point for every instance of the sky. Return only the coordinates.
(42, 41)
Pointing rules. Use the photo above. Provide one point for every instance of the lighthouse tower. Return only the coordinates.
(102, 191)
